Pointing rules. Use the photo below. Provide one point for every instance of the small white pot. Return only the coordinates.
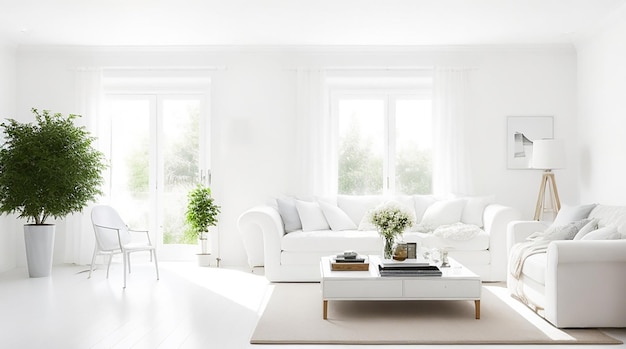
(39, 242)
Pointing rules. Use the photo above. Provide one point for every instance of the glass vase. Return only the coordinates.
(388, 245)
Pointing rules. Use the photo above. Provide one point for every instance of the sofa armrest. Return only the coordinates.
(518, 231)
(586, 283)
(261, 228)
(496, 217)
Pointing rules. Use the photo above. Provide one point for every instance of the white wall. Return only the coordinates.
(602, 112)
(7, 110)
(253, 108)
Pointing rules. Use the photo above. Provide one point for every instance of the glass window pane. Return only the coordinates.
(180, 151)
(361, 127)
(413, 147)
(130, 149)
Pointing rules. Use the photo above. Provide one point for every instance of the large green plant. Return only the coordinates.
(49, 168)
(201, 210)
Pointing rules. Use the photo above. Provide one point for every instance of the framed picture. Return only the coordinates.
(411, 249)
(521, 132)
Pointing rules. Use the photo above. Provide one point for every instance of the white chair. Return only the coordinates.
(114, 237)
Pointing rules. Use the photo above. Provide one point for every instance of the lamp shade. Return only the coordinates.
(548, 154)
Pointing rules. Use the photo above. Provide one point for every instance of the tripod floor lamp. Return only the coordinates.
(548, 154)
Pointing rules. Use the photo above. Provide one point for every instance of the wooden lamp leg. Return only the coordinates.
(547, 179)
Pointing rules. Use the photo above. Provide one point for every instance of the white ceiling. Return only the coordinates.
(300, 22)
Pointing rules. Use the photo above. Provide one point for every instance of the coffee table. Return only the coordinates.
(456, 283)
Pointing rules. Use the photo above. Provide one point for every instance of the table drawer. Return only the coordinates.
(442, 288)
(361, 289)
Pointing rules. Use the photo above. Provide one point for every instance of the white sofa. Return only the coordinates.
(291, 253)
(573, 283)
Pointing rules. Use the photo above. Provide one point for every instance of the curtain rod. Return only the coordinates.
(154, 68)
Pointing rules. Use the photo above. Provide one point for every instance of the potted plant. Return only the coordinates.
(48, 169)
(201, 214)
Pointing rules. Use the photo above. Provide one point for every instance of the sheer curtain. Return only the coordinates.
(79, 236)
(451, 165)
(316, 135)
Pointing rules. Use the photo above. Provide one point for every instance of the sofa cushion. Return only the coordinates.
(289, 213)
(328, 240)
(610, 215)
(474, 209)
(442, 212)
(564, 232)
(422, 202)
(479, 243)
(606, 233)
(589, 227)
(311, 216)
(337, 219)
(568, 214)
(357, 206)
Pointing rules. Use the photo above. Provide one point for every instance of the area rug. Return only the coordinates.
(293, 315)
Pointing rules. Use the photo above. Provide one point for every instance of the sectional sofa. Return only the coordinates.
(288, 236)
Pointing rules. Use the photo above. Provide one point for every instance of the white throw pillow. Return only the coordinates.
(311, 216)
(568, 214)
(422, 202)
(357, 206)
(336, 217)
(443, 212)
(457, 231)
(366, 225)
(589, 227)
(474, 209)
(606, 233)
(289, 214)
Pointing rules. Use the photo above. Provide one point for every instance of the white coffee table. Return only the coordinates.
(456, 283)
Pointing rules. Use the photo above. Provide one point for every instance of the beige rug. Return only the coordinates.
(293, 315)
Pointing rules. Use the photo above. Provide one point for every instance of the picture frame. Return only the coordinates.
(521, 132)
(411, 250)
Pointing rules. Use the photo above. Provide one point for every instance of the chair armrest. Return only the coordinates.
(142, 231)
(586, 283)
(518, 231)
(495, 218)
(262, 228)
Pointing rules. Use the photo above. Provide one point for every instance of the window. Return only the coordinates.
(157, 132)
(385, 141)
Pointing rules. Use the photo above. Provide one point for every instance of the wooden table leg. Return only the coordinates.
(477, 305)
(325, 311)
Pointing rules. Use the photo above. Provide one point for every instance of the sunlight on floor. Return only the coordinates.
(241, 287)
(541, 324)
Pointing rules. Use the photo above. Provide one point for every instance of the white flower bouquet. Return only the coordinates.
(391, 219)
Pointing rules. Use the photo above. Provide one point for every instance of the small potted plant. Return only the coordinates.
(201, 214)
(48, 169)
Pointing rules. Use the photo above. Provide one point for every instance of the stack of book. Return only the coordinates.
(356, 263)
(408, 269)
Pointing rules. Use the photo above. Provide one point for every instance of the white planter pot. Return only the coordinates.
(204, 259)
(39, 241)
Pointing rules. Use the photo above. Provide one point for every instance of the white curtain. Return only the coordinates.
(316, 136)
(451, 164)
(79, 236)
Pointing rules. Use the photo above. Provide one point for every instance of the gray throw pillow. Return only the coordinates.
(289, 213)
(564, 232)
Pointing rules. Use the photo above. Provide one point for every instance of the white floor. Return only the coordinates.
(190, 307)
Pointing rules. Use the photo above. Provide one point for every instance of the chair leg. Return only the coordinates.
(109, 264)
(125, 262)
(156, 264)
(93, 260)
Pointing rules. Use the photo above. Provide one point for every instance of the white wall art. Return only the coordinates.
(521, 132)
